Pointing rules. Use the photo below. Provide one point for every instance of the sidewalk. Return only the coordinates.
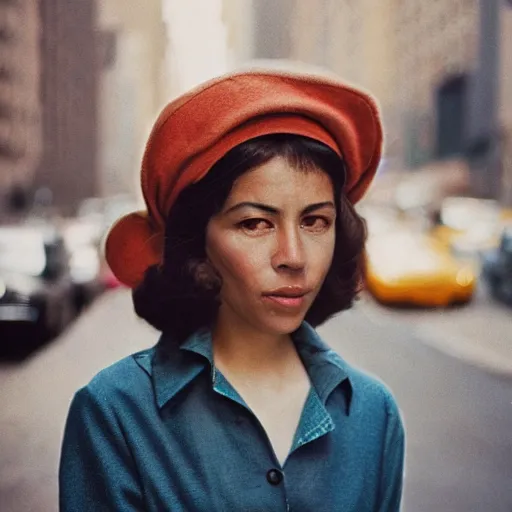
(36, 395)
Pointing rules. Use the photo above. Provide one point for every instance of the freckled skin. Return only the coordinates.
(256, 251)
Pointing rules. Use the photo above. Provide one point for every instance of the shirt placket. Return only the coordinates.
(222, 386)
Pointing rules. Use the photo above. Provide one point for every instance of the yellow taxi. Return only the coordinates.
(407, 267)
(470, 227)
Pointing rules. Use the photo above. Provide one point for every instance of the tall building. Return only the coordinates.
(440, 71)
(437, 55)
(152, 52)
(505, 101)
(132, 88)
(399, 50)
(356, 40)
(68, 169)
(271, 32)
(20, 125)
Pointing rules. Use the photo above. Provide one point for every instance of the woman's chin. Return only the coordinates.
(283, 325)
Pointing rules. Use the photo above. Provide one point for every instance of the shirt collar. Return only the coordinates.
(173, 367)
(326, 369)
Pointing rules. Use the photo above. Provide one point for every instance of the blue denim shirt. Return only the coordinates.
(167, 432)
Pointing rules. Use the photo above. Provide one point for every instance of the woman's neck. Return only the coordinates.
(243, 349)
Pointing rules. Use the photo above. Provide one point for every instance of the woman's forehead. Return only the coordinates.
(278, 181)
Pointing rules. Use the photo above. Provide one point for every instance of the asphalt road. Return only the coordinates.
(458, 417)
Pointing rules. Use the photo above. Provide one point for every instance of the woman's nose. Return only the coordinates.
(289, 253)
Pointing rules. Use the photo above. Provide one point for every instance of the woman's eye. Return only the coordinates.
(315, 223)
(255, 225)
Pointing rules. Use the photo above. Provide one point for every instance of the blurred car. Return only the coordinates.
(36, 289)
(497, 269)
(407, 267)
(102, 212)
(85, 237)
(462, 212)
(424, 190)
(470, 227)
(82, 239)
(379, 218)
(506, 217)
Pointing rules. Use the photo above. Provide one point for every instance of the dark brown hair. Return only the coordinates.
(181, 295)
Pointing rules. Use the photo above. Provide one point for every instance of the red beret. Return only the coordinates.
(197, 129)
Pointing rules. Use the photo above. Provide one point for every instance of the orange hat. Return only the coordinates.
(200, 127)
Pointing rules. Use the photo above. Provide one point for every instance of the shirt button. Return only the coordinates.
(274, 477)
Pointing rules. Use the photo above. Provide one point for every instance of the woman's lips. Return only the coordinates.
(286, 302)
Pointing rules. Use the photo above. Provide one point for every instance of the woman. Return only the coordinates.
(249, 241)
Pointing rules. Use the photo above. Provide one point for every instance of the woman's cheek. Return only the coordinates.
(240, 259)
(321, 249)
(247, 265)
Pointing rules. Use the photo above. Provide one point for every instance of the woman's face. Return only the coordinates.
(273, 244)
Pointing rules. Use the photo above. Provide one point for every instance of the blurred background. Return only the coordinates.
(81, 83)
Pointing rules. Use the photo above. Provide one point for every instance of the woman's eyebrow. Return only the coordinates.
(248, 204)
(317, 206)
(271, 209)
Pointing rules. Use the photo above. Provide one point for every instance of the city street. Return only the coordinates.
(458, 415)
(110, 109)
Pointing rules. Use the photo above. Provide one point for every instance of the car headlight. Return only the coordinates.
(20, 286)
(464, 277)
